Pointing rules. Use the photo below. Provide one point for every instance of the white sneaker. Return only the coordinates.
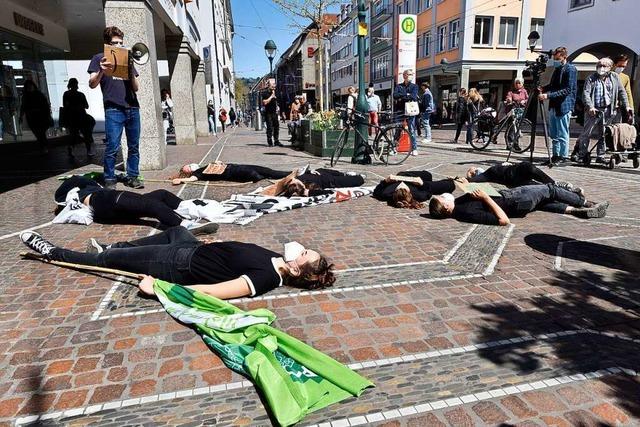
(414, 153)
(426, 140)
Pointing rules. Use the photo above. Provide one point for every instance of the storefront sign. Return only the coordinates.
(208, 74)
(407, 44)
(28, 24)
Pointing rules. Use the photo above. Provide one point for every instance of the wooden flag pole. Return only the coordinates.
(168, 181)
(42, 258)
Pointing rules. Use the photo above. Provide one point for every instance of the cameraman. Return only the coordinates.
(121, 111)
(561, 93)
(270, 104)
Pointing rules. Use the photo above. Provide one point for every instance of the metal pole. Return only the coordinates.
(360, 155)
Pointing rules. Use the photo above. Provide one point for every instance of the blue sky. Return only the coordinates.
(248, 41)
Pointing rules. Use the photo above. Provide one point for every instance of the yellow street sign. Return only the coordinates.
(362, 28)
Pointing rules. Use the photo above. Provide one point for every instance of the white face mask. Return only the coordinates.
(194, 166)
(619, 69)
(602, 70)
(292, 250)
(448, 197)
(479, 171)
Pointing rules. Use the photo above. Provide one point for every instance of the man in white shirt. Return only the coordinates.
(374, 107)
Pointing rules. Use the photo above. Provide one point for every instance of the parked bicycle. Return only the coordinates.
(517, 132)
(385, 145)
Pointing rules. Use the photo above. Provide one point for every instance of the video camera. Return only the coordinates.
(536, 68)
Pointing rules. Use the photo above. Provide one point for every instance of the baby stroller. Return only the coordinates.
(619, 141)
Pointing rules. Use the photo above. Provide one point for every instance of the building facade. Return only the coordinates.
(381, 35)
(484, 43)
(50, 42)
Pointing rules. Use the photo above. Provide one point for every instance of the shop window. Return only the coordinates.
(482, 34)
(508, 31)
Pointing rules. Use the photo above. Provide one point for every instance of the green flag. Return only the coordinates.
(295, 378)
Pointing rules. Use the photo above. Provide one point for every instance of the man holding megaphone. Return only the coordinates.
(113, 70)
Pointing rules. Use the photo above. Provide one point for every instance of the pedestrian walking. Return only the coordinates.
(222, 116)
(76, 119)
(167, 113)
(427, 106)
(475, 104)
(462, 114)
(121, 112)
(37, 110)
(211, 113)
(270, 104)
(374, 105)
(620, 63)
(232, 117)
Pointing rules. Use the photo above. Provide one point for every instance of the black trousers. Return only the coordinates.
(112, 205)
(339, 178)
(254, 173)
(273, 128)
(525, 173)
(165, 256)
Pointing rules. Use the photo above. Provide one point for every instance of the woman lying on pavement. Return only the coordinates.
(113, 206)
(523, 173)
(222, 269)
(219, 171)
(313, 183)
(479, 208)
(410, 189)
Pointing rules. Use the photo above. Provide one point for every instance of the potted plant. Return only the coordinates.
(325, 130)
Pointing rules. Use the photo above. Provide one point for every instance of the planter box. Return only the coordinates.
(322, 143)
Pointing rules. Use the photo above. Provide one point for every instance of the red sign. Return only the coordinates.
(310, 52)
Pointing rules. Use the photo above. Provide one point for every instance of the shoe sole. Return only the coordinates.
(208, 228)
(599, 211)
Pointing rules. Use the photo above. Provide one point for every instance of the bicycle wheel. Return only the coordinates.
(340, 143)
(481, 141)
(386, 146)
(519, 136)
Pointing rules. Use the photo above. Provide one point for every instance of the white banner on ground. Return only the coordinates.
(407, 44)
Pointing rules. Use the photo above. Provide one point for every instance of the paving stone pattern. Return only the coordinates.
(81, 349)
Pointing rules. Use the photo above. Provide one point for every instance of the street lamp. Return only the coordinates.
(360, 155)
(270, 50)
(533, 38)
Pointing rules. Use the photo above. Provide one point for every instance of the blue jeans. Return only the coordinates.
(559, 133)
(115, 120)
(544, 197)
(212, 125)
(424, 121)
(411, 123)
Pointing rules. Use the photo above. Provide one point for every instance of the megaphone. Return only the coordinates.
(140, 53)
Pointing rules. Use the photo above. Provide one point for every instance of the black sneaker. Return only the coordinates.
(36, 242)
(134, 182)
(94, 247)
(277, 144)
(110, 184)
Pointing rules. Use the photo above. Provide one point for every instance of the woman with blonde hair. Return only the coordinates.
(475, 104)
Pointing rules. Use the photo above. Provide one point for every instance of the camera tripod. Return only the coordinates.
(531, 112)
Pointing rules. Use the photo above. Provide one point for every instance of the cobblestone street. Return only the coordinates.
(533, 324)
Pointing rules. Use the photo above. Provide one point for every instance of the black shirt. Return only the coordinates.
(329, 178)
(232, 172)
(468, 209)
(86, 185)
(222, 261)
(384, 190)
(272, 106)
(116, 92)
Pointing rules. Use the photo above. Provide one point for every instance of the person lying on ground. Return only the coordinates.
(220, 171)
(312, 183)
(113, 206)
(479, 208)
(222, 269)
(410, 189)
(514, 175)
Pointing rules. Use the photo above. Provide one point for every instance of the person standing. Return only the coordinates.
(427, 104)
(37, 110)
(294, 119)
(167, 112)
(374, 105)
(222, 116)
(121, 111)
(211, 113)
(620, 63)
(601, 95)
(407, 91)
(76, 118)
(270, 104)
(462, 114)
(561, 93)
(475, 104)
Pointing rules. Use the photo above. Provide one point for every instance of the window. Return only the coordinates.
(354, 43)
(427, 4)
(354, 26)
(419, 46)
(427, 43)
(508, 31)
(407, 6)
(417, 8)
(454, 39)
(537, 24)
(399, 9)
(442, 38)
(380, 67)
(482, 31)
(579, 4)
(384, 33)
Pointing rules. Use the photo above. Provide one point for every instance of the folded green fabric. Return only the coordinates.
(294, 378)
